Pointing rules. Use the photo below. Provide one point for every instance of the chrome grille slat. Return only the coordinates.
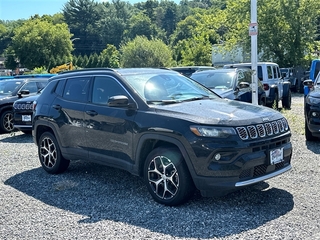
(263, 130)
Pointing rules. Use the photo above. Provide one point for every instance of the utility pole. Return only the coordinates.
(253, 32)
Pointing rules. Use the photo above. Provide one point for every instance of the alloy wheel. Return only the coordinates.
(163, 177)
(48, 152)
(8, 121)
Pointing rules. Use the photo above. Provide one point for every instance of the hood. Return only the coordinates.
(223, 92)
(219, 111)
(315, 93)
(28, 99)
(7, 98)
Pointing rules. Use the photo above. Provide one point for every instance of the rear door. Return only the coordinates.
(68, 112)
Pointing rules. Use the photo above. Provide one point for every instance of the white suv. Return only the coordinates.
(275, 86)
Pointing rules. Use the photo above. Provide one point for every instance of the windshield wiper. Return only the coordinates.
(163, 101)
(197, 98)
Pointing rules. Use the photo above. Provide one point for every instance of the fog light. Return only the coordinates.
(217, 156)
(314, 114)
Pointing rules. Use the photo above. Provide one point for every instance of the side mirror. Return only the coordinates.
(244, 85)
(121, 101)
(308, 83)
(23, 92)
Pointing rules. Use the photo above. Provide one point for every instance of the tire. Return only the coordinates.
(50, 154)
(286, 101)
(6, 120)
(167, 177)
(295, 88)
(301, 89)
(275, 103)
(262, 101)
(308, 134)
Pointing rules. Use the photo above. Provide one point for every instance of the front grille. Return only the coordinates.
(262, 130)
(23, 106)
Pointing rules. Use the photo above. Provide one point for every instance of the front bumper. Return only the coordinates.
(248, 165)
(312, 115)
(22, 121)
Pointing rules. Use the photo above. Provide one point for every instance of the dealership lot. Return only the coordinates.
(90, 201)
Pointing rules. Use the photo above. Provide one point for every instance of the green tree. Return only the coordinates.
(193, 38)
(114, 19)
(82, 17)
(79, 62)
(37, 40)
(93, 61)
(286, 32)
(141, 25)
(196, 52)
(142, 52)
(11, 62)
(52, 63)
(85, 61)
(109, 57)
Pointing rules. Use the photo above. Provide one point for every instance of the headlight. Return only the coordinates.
(218, 132)
(312, 101)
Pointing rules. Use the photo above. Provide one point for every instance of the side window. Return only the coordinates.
(260, 75)
(31, 86)
(60, 87)
(76, 89)
(240, 76)
(104, 88)
(276, 72)
(269, 70)
(247, 77)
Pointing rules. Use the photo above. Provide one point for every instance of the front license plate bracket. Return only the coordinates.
(276, 156)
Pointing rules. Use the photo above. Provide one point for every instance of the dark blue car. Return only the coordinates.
(234, 84)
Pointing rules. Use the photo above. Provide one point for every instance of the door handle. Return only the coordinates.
(91, 113)
(57, 107)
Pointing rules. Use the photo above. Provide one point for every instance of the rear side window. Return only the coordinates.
(76, 89)
(269, 71)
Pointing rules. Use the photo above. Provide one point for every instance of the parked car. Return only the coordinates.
(13, 89)
(162, 126)
(289, 74)
(188, 70)
(312, 110)
(276, 88)
(313, 73)
(23, 109)
(233, 83)
(22, 113)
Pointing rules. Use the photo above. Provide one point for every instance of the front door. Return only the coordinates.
(109, 130)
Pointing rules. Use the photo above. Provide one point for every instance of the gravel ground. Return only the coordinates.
(95, 202)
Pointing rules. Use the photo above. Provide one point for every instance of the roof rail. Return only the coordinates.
(87, 70)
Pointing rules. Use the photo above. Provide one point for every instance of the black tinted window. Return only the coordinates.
(76, 89)
(60, 87)
(104, 88)
(31, 86)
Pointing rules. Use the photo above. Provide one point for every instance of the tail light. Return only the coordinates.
(266, 86)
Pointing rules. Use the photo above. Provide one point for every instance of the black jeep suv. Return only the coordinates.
(14, 89)
(158, 124)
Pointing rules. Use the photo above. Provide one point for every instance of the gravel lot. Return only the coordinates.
(90, 201)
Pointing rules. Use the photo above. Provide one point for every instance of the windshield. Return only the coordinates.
(167, 88)
(215, 80)
(7, 87)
